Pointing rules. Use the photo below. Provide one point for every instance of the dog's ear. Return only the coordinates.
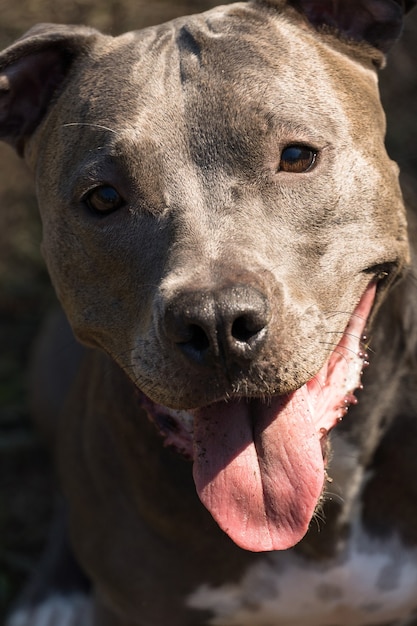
(32, 71)
(378, 22)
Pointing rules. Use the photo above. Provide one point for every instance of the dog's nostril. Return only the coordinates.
(184, 328)
(245, 327)
(196, 338)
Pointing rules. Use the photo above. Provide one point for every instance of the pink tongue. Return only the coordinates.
(259, 469)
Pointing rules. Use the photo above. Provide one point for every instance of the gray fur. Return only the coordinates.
(188, 121)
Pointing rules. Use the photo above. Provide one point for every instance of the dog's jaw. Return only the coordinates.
(260, 464)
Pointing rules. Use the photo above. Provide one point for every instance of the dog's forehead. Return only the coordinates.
(230, 67)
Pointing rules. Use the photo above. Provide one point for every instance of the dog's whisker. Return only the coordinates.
(319, 518)
(332, 348)
(343, 333)
(319, 383)
(356, 315)
(328, 343)
(364, 340)
(331, 495)
(91, 125)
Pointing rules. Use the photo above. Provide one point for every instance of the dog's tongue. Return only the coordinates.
(259, 469)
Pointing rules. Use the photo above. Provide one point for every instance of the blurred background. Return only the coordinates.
(26, 483)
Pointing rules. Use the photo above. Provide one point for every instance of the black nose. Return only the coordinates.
(227, 325)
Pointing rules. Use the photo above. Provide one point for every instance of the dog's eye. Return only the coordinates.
(104, 199)
(297, 159)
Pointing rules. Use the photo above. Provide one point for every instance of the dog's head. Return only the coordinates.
(220, 216)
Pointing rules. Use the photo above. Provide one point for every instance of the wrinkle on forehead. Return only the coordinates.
(217, 82)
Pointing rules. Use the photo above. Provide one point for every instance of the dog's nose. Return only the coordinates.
(227, 325)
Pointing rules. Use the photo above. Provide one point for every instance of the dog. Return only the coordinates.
(227, 237)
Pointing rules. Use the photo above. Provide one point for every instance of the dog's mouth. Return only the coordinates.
(260, 464)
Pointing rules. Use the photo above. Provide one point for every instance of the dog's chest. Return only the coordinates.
(372, 583)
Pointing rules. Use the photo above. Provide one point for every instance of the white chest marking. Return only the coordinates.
(57, 610)
(372, 583)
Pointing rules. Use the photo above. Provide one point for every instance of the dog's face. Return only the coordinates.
(219, 211)
(204, 156)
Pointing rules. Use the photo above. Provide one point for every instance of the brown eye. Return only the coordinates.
(104, 200)
(297, 159)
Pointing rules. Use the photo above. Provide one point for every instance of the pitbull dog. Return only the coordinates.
(221, 223)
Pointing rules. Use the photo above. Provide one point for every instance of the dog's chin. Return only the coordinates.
(260, 463)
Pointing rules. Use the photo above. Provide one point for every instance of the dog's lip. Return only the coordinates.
(176, 424)
(285, 434)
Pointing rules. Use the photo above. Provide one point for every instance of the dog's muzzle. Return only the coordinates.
(259, 463)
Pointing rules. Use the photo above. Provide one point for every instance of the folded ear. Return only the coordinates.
(32, 72)
(378, 22)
